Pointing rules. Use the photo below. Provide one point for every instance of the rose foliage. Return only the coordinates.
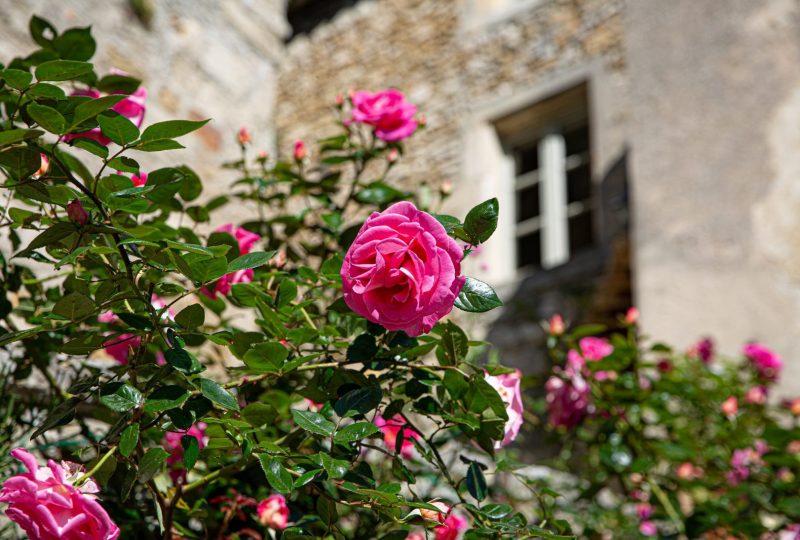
(670, 444)
(297, 374)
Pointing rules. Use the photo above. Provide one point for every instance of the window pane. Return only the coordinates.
(577, 140)
(579, 184)
(526, 158)
(527, 203)
(529, 250)
(581, 234)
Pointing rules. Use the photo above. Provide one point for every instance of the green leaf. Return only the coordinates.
(477, 297)
(47, 117)
(481, 396)
(124, 164)
(118, 128)
(454, 345)
(120, 397)
(192, 316)
(326, 509)
(46, 91)
(171, 129)
(61, 415)
(74, 306)
(358, 401)
(183, 361)
(84, 344)
(355, 432)
(363, 348)
(191, 451)
(118, 84)
(277, 476)
(151, 463)
(266, 357)
(93, 107)
(287, 292)
(497, 511)
(251, 260)
(16, 78)
(476, 483)
(158, 145)
(313, 422)
(259, 414)
(16, 135)
(165, 397)
(75, 44)
(128, 440)
(218, 394)
(448, 222)
(336, 468)
(481, 221)
(62, 70)
(38, 27)
(379, 193)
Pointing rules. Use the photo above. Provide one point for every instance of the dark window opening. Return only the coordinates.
(305, 15)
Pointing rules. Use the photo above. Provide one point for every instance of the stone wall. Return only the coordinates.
(197, 58)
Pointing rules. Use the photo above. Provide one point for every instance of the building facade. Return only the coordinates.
(643, 152)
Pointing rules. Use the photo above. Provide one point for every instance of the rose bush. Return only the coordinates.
(298, 374)
(670, 444)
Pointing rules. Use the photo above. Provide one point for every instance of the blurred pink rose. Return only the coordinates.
(139, 179)
(730, 406)
(568, 401)
(507, 385)
(703, 349)
(757, 395)
(556, 325)
(131, 107)
(402, 270)
(594, 348)
(391, 429)
(632, 316)
(119, 347)
(688, 471)
(648, 528)
(299, 151)
(451, 528)
(46, 503)
(243, 136)
(744, 461)
(767, 363)
(273, 512)
(172, 444)
(246, 239)
(416, 535)
(644, 510)
(223, 285)
(77, 213)
(387, 111)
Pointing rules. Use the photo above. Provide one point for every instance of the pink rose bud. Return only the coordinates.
(263, 154)
(632, 316)
(447, 187)
(556, 326)
(47, 504)
(767, 363)
(507, 385)
(422, 120)
(393, 155)
(687, 471)
(43, 167)
(703, 349)
(77, 213)
(402, 271)
(243, 136)
(387, 111)
(664, 365)
(435, 516)
(730, 406)
(339, 99)
(757, 395)
(594, 348)
(273, 512)
(794, 406)
(300, 151)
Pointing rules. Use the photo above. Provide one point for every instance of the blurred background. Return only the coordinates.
(644, 152)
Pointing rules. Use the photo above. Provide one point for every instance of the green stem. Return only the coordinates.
(97, 466)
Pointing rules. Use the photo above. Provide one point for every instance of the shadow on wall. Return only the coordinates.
(593, 286)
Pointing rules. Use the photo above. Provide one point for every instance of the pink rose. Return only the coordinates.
(730, 406)
(644, 510)
(244, 136)
(568, 401)
(273, 512)
(451, 528)
(223, 285)
(594, 348)
(391, 429)
(648, 528)
(299, 152)
(139, 179)
(246, 239)
(767, 363)
(387, 111)
(402, 270)
(131, 107)
(416, 535)
(120, 346)
(77, 213)
(703, 349)
(46, 503)
(556, 325)
(507, 386)
(631, 316)
(757, 395)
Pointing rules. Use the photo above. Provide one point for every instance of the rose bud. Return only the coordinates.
(244, 136)
(556, 326)
(446, 188)
(730, 406)
(273, 512)
(339, 99)
(632, 316)
(44, 167)
(392, 155)
(756, 395)
(300, 151)
(77, 213)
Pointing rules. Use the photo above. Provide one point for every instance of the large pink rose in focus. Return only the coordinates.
(767, 363)
(46, 504)
(387, 111)
(507, 385)
(391, 429)
(402, 270)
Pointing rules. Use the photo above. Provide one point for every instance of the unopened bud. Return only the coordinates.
(339, 100)
(300, 151)
(77, 213)
(632, 316)
(730, 406)
(557, 326)
(263, 154)
(422, 121)
(44, 167)
(447, 187)
(392, 155)
(244, 136)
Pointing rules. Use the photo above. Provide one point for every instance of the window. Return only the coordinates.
(305, 15)
(554, 201)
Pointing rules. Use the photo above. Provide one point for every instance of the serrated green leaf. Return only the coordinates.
(355, 432)
(128, 440)
(47, 117)
(313, 422)
(481, 221)
(120, 397)
(192, 316)
(277, 476)
(61, 70)
(477, 297)
(250, 260)
(171, 129)
(165, 397)
(218, 394)
(151, 463)
(74, 306)
(118, 128)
